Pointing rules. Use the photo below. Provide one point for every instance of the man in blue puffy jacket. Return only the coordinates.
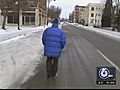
(54, 40)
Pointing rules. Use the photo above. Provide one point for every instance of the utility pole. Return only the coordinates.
(18, 15)
(18, 9)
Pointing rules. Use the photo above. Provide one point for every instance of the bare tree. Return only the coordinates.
(5, 6)
(54, 12)
(11, 5)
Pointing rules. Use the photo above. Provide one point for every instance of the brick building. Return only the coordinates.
(79, 14)
(35, 14)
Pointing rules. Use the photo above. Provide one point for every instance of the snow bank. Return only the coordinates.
(108, 33)
(20, 53)
(19, 56)
(12, 32)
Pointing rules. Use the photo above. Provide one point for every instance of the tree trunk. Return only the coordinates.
(4, 22)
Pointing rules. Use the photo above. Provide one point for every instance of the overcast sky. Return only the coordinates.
(68, 5)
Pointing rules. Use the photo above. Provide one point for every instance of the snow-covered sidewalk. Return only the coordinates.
(107, 33)
(12, 32)
(20, 53)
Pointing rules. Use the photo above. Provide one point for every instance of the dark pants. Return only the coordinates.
(51, 66)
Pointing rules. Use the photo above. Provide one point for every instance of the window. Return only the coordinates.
(32, 20)
(95, 20)
(23, 19)
(92, 8)
(77, 8)
(92, 21)
(10, 19)
(96, 15)
(29, 20)
(31, 3)
(92, 14)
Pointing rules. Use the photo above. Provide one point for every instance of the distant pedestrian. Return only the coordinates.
(54, 40)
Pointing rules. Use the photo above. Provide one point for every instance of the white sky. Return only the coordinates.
(68, 5)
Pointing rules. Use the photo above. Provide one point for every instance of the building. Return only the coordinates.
(71, 17)
(93, 14)
(35, 14)
(1, 17)
(79, 14)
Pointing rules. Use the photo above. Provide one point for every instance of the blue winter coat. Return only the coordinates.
(54, 40)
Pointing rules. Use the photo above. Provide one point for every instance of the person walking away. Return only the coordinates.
(54, 40)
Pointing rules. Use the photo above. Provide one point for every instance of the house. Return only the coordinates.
(93, 14)
(35, 14)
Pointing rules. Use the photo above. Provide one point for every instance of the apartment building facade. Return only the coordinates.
(35, 14)
(79, 14)
(93, 14)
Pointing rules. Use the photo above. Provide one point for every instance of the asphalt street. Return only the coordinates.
(84, 52)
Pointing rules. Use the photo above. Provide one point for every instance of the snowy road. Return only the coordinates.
(84, 52)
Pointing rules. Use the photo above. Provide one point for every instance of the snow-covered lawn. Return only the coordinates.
(108, 33)
(20, 53)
